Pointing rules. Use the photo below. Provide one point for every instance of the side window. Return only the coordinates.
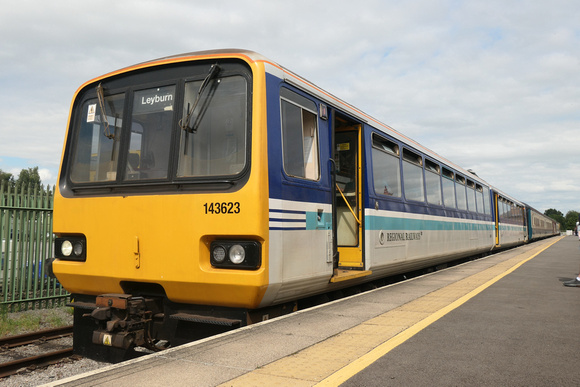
(386, 167)
(486, 201)
(471, 196)
(413, 176)
(479, 198)
(502, 210)
(449, 188)
(460, 188)
(299, 136)
(433, 183)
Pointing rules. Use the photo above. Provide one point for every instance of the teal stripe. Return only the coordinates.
(385, 223)
(373, 222)
(312, 222)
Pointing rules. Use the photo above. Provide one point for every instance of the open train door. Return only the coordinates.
(496, 216)
(348, 200)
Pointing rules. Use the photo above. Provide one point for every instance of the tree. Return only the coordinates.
(557, 216)
(571, 219)
(6, 178)
(29, 177)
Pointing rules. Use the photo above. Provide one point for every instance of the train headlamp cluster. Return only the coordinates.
(236, 254)
(70, 248)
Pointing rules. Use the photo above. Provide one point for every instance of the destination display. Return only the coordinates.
(154, 100)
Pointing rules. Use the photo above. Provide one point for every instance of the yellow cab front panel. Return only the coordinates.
(163, 182)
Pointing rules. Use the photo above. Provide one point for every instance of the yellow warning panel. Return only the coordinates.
(108, 340)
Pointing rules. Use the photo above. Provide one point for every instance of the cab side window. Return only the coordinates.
(299, 136)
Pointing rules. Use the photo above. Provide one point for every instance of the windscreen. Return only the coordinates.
(216, 143)
(130, 132)
(98, 141)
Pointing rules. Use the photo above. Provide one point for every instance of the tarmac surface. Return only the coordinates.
(504, 320)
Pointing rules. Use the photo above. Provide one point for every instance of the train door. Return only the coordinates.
(496, 211)
(348, 201)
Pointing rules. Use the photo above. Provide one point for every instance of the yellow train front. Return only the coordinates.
(161, 202)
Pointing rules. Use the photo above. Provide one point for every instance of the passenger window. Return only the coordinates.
(486, 201)
(449, 188)
(433, 183)
(503, 210)
(413, 176)
(461, 193)
(471, 196)
(299, 136)
(479, 198)
(386, 167)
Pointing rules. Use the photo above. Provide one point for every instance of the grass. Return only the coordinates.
(33, 320)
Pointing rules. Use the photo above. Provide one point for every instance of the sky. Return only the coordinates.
(493, 86)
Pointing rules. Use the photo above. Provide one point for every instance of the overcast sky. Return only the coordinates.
(491, 85)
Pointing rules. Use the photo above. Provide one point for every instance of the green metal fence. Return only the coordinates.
(26, 235)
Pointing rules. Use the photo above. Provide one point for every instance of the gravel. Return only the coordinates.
(65, 369)
(52, 373)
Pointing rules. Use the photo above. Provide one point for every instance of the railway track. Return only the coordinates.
(8, 368)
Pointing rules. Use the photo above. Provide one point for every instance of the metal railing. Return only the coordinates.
(26, 238)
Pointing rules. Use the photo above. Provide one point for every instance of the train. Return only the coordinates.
(211, 190)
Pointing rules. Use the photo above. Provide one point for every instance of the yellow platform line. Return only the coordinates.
(338, 358)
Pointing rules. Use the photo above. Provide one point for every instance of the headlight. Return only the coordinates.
(66, 248)
(236, 254)
(70, 248)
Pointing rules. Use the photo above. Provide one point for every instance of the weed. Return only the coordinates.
(33, 320)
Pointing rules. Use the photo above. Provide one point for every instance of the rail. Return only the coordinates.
(39, 360)
(10, 368)
(28, 338)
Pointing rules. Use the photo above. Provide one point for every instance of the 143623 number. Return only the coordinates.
(222, 208)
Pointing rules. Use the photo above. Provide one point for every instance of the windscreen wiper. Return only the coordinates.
(104, 120)
(184, 123)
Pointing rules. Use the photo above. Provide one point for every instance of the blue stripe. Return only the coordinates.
(288, 211)
(287, 220)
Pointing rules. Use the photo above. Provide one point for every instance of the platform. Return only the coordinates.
(502, 320)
